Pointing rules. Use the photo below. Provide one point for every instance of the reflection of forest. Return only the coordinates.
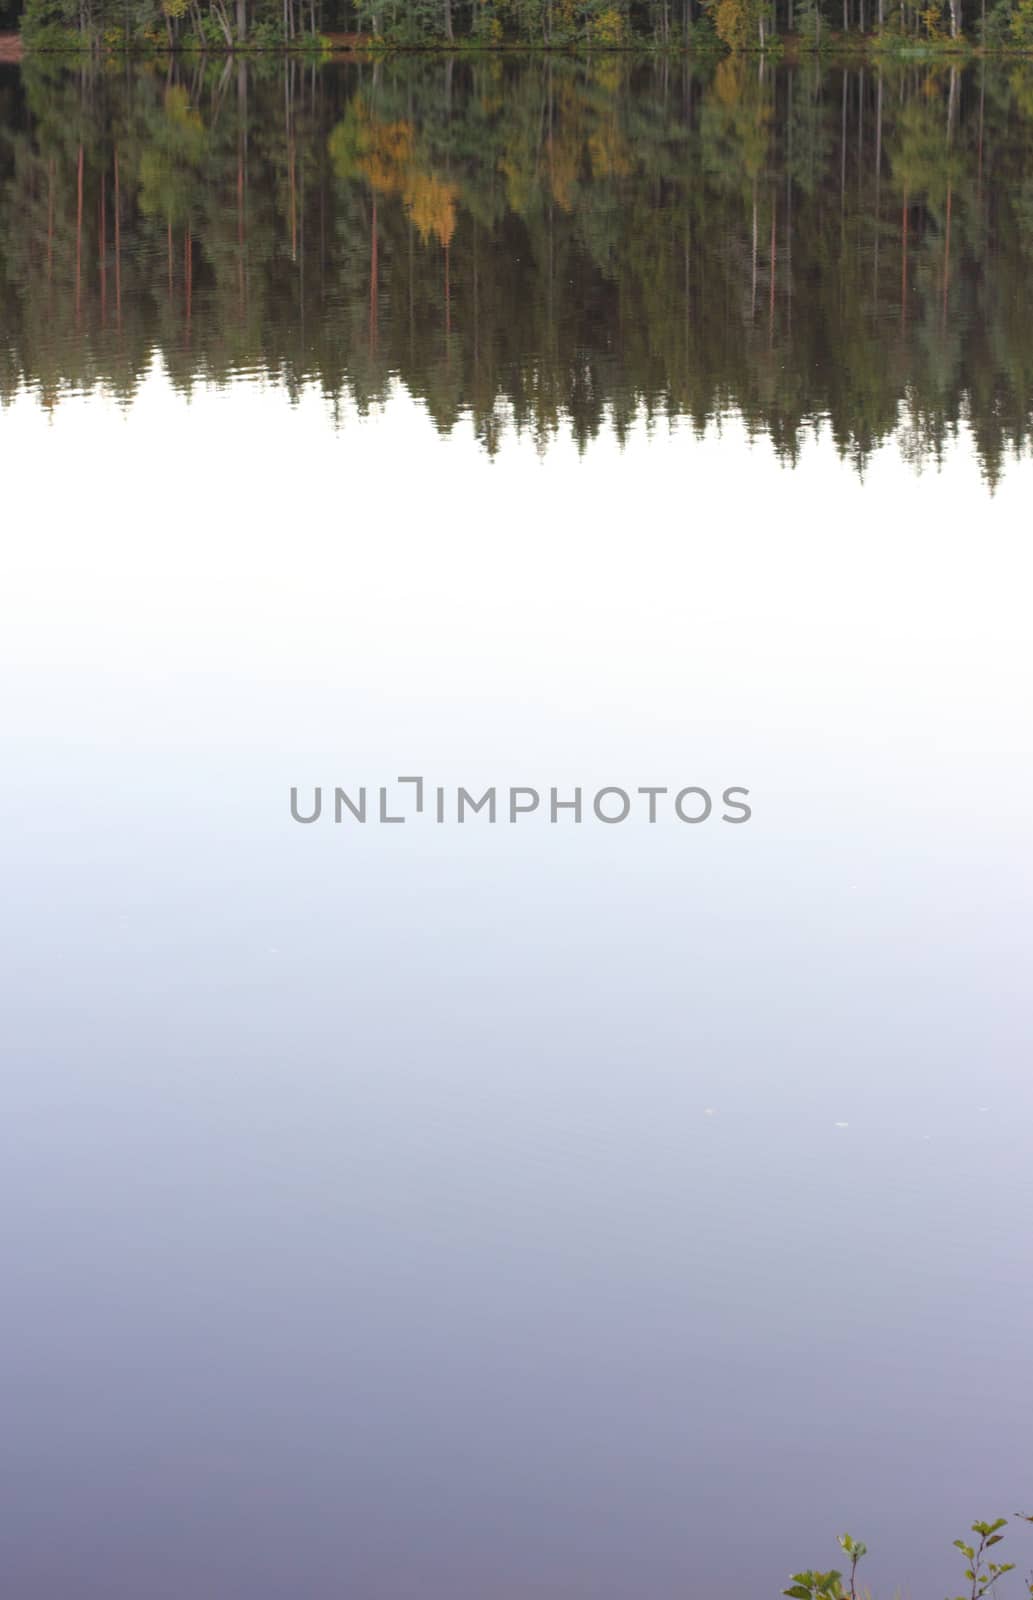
(536, 242)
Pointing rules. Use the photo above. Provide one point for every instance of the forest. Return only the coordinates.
(316, 26)
(537, 245)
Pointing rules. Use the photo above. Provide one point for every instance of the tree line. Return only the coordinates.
(697, 25)
(536, 245)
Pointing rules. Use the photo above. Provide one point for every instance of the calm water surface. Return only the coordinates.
(487, 1212)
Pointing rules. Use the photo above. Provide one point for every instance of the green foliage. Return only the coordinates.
(117, 26)
(829, 1585)
(995, 32)
(815, 1586)
(702, 36)
(982, 1573)
(1020, 24)
(310, 26)
(809, 26)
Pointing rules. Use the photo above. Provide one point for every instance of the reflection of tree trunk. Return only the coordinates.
(50, 225)
(78, 242)
(103, 250)
(946, 254)
(842, 151)
(688, 288)
(188, 273)
(288, 118)
(301, 242)
(860, 139)
(789, 208)
(774, 260)
(242, 114)
(982, 95)
(412, 317)
(903, 261)
(753, 287)
(448, 309)
(168, 243)
(373, 271)
(240, 233)
(294, 205)
(118, 244)
(878, 186)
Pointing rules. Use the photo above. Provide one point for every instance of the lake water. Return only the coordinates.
(441, 1211)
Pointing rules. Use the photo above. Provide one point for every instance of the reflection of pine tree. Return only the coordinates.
(536, 244)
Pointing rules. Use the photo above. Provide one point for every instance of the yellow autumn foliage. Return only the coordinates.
(384, 154)
(728, 82)
(733, 24)
(608, 152)
(431, 203)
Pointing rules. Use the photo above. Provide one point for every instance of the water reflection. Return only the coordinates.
(465, 1213)
(534, 243)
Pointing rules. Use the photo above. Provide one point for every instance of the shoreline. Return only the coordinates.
(788, 50)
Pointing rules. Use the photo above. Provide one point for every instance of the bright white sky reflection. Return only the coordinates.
(478, 1213)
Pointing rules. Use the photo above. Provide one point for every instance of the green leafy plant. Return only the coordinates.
(982, 1571)
(829, 1585)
